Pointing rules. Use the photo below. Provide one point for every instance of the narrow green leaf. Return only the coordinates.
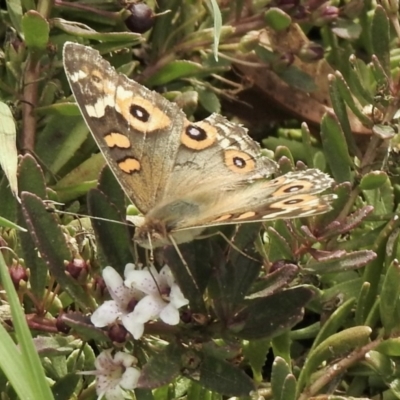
(382, 79)
(345, 94)
(335, 346)
(23, 365)
(280, 371)
(14, 8)
(389, 300)
(341, 262)
(5, 223)
(31, 180)
(336, 151)
(362, 309)
(289, 388)
(216, 12)
(359, 75)
(174, 70)
(334, 322)
(82, 31)
(380, 35)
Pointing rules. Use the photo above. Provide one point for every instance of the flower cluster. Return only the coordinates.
(145, 295)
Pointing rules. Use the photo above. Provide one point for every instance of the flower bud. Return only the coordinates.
(141, 19)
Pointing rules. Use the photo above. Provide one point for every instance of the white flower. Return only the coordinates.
(163, 296)
(120, 308)
(114, 374)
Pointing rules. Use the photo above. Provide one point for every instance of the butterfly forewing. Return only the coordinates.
(137, 130)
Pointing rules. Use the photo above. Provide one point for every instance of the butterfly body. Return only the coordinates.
(182, 176)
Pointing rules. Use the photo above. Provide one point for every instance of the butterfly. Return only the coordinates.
(183, 176)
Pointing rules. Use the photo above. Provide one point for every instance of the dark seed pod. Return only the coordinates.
(141, 18)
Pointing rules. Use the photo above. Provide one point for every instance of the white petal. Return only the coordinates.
(148, 308)
(106, 314)
(170, 315)
(128, 268)
(114, 393)
(130, 378)
(104, 361)
(107, 386)
(166, 276)
(115, 285)
(135, 328)
(142, 280)
(176, 297)
(127, 360)
(112, 278)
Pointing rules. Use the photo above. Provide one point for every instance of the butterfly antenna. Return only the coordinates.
(49, 209)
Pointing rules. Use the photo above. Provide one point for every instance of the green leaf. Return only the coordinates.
(5, 223)
(298, 79)
(390, 296)
(340, 262)
(280, 278)
(163, 367)
(256, 353)
(280, 371)
(65, 387)
(199, 257)
(83, 31)
(336, 151)
(361, 81)
(277, 19)
(174, 70)
(31, 180)
(347, 29)
(380, 35)
(14, 8)
(373, 180)
(111, 230)
(234, 276)
(50, 241)
(20, 364)
(334, 322)
(333, 347)
(289, 388)
(341, 96)
(64, 135)
(222, 377)
(36, 30)
(282, 310)
(209, 100)
(390, 347)
(217, 26)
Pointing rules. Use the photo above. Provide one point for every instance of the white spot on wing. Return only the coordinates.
(77, 76)
(98, 109)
